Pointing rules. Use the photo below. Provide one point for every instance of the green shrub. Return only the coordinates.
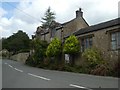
(115, 70)
(72, 45)
(23, 50)
(93, 57)
(54, 49)
(38, 56)
(30, 61)
(101, 70)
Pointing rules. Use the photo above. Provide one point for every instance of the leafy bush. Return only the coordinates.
(54, 49)
(24, 50)
(115, 70)
(38, 56)
(71, 45)
(92, 57)
(100, 70)
(30, 61)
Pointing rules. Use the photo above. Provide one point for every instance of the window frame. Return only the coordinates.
(115, 40)
(86, 43)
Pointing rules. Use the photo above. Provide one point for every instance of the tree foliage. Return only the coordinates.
(54, 49)
(48, 18)
(40, 48)
(17, 42)
(72, 45)
(39, 54)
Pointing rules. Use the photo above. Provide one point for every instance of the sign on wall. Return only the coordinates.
(67, 58)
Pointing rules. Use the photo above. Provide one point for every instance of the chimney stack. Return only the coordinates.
(79, 13)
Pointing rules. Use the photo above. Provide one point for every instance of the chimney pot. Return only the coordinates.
(79, 13)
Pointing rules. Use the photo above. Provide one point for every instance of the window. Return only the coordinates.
(86, 43)
(115, 40)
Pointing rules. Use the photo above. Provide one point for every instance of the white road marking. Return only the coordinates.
(6, 63)
(73, 85)
(18, 70)
(76, 86)
(38, 76)
(10, 66)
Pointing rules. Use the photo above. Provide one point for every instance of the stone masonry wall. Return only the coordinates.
(74, 25)
(22, 57)
(101, 40)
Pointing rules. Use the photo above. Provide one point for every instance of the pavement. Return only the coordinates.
(19, 75)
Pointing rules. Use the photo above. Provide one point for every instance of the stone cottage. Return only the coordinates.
(61, 30)
(105, 36)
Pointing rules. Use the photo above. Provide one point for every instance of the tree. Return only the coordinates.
(40, 49)
(48, 18)
(17, 42)
(39, 54)
(72, 47)
(54, 49)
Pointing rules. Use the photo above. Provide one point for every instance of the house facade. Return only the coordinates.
(104, 36)
(61, 30)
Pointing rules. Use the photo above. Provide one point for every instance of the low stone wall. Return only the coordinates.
(22, 57)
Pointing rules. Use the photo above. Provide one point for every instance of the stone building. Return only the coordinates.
(61, 30)
(104, 36)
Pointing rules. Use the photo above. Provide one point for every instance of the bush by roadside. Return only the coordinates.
(50, 58)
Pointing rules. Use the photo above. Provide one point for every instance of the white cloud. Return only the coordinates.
(2, 12)
(28, 15)
(99, 11)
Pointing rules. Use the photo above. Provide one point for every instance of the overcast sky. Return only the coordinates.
(26, 14)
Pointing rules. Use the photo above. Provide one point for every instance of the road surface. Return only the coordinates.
(18, 75)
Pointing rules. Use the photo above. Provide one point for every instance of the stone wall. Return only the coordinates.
(21, 57)
(58, 34)
(42, 37)
(74, 25)
(47, 37)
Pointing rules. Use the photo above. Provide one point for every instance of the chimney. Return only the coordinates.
(79, 13)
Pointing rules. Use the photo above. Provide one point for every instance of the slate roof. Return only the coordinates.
(97, 27)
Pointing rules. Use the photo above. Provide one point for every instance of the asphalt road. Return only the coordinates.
(18, 75)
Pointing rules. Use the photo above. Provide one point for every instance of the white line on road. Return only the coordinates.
(10, 66)
(77, 86)
(73, 85)
(18, 70)
(5, 63)
(38, 76)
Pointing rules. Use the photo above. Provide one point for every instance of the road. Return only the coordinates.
(18, 75)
